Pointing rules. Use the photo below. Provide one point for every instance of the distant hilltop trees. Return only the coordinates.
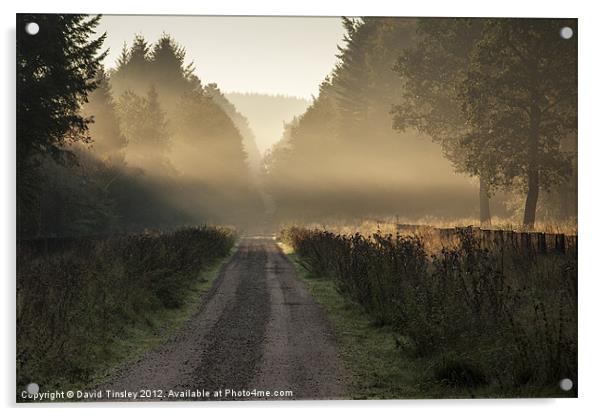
(268, 113)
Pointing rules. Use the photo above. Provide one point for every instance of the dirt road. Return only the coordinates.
(257, 329)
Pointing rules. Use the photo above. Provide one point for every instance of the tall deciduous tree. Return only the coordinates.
(432, 73)
(521, 89)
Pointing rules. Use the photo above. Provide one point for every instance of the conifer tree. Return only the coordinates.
(55, 74)
(108, 141)
(144, 125)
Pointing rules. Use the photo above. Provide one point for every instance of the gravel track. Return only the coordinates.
(258, 328)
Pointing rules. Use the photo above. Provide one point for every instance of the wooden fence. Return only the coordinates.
(529, 242)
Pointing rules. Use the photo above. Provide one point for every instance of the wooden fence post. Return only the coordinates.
(498, 236)
(571, 244)
(541, 243)
(509, 239)
(560, 243)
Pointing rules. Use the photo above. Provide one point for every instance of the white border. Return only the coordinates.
(590, 151)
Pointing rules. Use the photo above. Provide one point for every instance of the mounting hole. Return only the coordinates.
(33, 388)
(32, 28)
(566, 32)
(566, 384)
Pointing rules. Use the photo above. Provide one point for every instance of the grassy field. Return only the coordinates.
(432, 357)
(387, 225)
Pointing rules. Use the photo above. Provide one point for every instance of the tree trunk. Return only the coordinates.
(484, 211)
(531, 202)
(532, 169)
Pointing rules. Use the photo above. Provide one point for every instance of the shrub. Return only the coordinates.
(483, 315)
(459, 372)
(74, 301)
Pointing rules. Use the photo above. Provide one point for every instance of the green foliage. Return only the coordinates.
(55, 73)
(431, 72)
(75, 297)
(532, 68)
(74, 199)
(498, 94)
(501, 319)
(459, 373)
(199, 121)
(521, 90)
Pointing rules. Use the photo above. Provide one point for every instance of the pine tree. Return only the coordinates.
(202, 142)
(133, 68)
(167, 63)
(213, 93)
(144, 125)
(55, 73)
(108, 141)
(156, 132)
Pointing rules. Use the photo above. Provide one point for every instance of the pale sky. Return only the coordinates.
(275, 55)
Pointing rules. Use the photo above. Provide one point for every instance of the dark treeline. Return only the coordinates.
(144, 145)
(437, 117)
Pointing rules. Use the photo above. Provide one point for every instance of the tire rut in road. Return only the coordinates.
(233, 356)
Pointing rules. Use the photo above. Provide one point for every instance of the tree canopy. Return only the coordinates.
(480, 88)
(521, 92)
